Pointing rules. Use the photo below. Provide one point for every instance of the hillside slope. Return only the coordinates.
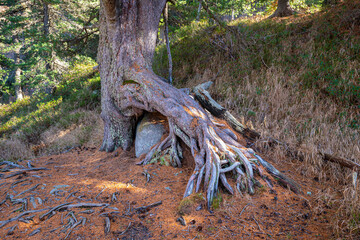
(295, 79)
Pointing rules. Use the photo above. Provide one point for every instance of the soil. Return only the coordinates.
(90, 176)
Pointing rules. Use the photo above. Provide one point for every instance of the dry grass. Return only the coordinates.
(13, 149)
(307, 121)
(265, 90)
(87, 131)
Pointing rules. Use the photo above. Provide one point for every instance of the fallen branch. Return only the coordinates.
(12, 164)
(143, 209)
(85, 205)
(342, 161)
(28, 190)
(203, 96)
(3, 223)
(42, 217)
(217, 110)
(24, 171)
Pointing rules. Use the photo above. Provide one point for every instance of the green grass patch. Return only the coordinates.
(79, 89)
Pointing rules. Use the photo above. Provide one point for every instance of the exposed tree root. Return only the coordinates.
(215, 150)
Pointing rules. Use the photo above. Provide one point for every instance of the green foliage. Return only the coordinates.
(79, 89)
(43, 55)
(217, 201)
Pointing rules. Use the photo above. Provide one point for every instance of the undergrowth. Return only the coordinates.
(37, 123)
(295, 79)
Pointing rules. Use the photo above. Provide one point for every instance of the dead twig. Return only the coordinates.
(85, 205)
(72, 228)
(3, 223)
(109, 213)
(125, 229)
(36, 231)
(12, 164)
(71, 194)
(143, 209)
(28, 190)
(11, 230)
(17, 182)
(257, 224)
(100, 193)
(107, 225)
(244, 208)
(24, 171)
(42, 217)
(113, 197)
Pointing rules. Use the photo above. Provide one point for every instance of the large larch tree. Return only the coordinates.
(128, 30)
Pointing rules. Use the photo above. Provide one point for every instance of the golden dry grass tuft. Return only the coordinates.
(298, 81)
(87, 131)
(13, 149)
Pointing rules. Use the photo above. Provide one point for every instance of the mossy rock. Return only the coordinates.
(190, 203)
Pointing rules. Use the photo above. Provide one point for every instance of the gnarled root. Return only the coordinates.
(215, 150)
(216, 153)
(222, 155)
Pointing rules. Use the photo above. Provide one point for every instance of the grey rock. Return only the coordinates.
(149, 132)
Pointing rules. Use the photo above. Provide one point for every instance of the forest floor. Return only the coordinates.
(119, 187)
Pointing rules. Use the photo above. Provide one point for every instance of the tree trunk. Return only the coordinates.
(17, 71)
(128, 32)
(198, 12)
(46, 22)
(166, 22)
(46, 29)
(283, 9)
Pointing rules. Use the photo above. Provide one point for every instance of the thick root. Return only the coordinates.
(220, 154)
(215, 150)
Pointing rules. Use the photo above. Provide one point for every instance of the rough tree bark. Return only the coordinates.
(167, 40)
(128, 32)
(283, 9)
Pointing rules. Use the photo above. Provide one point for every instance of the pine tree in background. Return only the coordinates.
(39, 39)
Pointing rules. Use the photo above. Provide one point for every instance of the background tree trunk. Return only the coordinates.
(283, 9)
(46, 29)
(198, 12)
(166, 23)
